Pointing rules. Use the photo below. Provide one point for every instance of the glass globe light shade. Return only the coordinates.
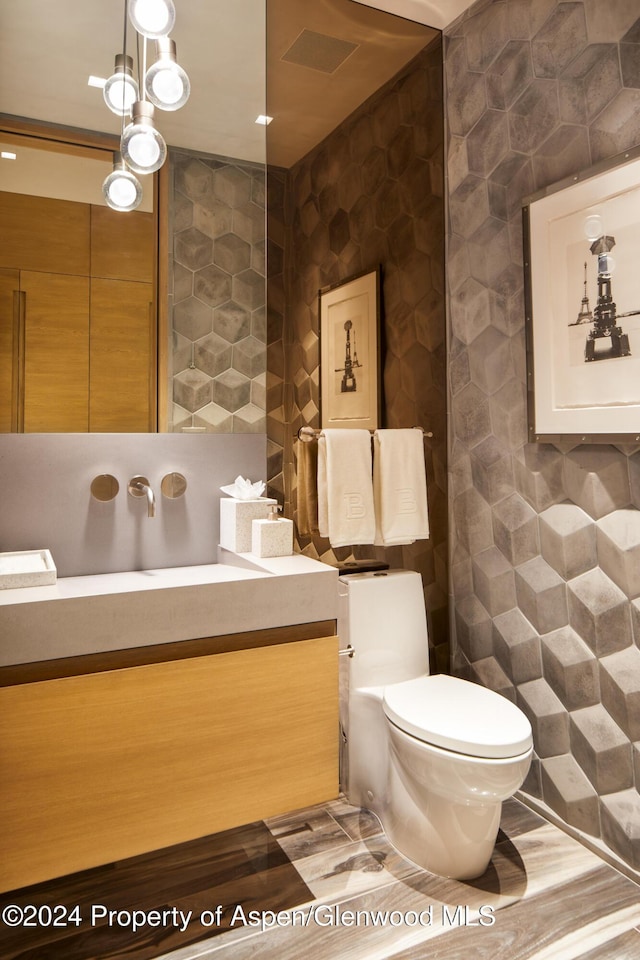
(166, 83)
(121, 190)
(143, 148)
(606, 264)
(152, 18)
(121, 90)
(593, 227)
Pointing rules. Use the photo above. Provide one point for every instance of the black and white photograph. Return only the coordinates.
(349, 344)
(584, 309)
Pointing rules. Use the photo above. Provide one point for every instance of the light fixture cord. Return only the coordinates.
(124, 53)
(144, 67)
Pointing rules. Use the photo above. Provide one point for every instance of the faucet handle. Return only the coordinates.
(137, 486)
(173, 485)
(104, 487)
(140, 487)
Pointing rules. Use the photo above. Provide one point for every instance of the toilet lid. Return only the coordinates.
(458, 715)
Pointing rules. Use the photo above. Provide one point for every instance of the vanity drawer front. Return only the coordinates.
(101, 767)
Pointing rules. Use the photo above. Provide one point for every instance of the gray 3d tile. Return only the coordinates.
(597, 479)
(541, 595)
(517, 646)
(515, 529)
(538, 475)
(568, 539)
(618, 536)
(492, 470)
(473, 628)
(599, 612)
(570, 794)
(474, 517)
(620, 684)
(493, 581)
(620, 816)
(489, 673)
(548, 717)
(601, 749)
(570, 668)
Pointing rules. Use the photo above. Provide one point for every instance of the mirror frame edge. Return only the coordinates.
(161, 209)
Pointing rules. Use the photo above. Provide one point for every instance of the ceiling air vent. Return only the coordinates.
(319, 52)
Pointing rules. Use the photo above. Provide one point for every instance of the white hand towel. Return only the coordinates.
(345, 490)
(400, 487)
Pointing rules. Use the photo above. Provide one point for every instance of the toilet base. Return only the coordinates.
(439, 809)
(450, 839)
(442, 810)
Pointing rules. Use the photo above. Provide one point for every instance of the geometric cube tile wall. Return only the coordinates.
(370, 195)
(545, 538)
(217, 299)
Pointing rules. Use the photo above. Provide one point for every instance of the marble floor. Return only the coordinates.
(324, 883)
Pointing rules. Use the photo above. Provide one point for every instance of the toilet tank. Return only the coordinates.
(382, 616)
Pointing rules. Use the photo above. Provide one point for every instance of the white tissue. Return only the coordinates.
(242, 489)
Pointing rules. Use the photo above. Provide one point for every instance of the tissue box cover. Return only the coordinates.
(236, 517)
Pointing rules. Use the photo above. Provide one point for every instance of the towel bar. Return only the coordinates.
(307, 434)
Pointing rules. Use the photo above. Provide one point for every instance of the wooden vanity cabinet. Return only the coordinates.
(100, 766)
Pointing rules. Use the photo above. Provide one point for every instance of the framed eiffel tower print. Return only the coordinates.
(349, 315)
(582, 300)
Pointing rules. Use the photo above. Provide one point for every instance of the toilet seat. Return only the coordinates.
(458, 715)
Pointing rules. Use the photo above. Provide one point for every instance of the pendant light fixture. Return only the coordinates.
(142, 146)
(166, 83)
(121, 90)
(152, 18)
(121, 190)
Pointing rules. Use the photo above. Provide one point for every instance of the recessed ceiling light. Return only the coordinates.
(263, 120)
(7, 155)
(96, 82)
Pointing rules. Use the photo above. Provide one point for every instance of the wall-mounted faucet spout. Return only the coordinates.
(140, 487)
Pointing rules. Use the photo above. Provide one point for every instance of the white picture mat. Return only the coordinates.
(354, 301)
(602, 396)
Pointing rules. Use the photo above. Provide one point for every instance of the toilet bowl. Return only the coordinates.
(432, 756)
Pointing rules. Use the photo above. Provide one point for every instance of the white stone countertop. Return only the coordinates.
(114, 611)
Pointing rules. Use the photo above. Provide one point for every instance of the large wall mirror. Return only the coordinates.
(198, 365)
(87, 296)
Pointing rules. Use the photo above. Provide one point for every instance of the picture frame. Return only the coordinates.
(582, 305)
(350, 364)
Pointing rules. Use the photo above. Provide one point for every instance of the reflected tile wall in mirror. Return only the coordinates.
(217, 295)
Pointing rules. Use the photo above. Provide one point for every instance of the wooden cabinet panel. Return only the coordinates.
(101, 767)
(9, 337)
(118, 253)
(122, 352)
(56, 343)
(58, 245)
(42, 234)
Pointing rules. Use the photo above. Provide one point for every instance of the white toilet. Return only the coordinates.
(432, 756)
